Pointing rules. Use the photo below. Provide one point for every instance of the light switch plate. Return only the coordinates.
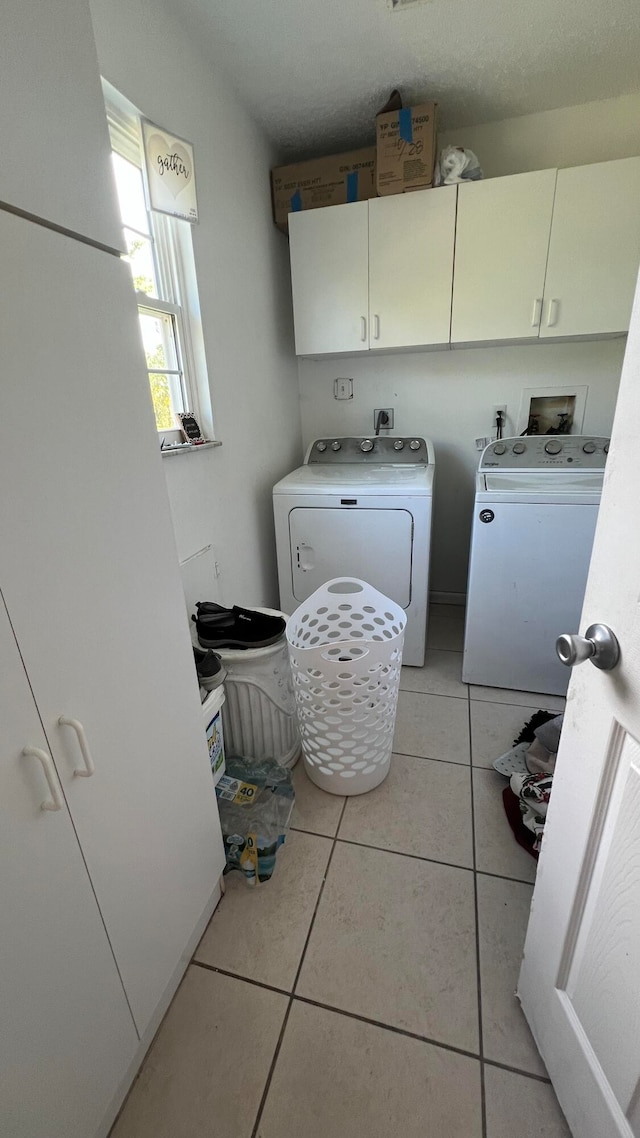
(343, 389)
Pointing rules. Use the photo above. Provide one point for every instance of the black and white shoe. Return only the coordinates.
(218, 627)
(210, 669)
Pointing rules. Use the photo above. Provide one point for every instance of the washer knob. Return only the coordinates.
(553, 447)
(414, 444)
(321, 446)
(366, 445)
(499, 448)
(336, 445)
(399, 444)
(589, 448)
(519, 448)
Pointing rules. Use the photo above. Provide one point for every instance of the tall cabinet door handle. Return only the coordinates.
(552, 314)
(537, 312)
(75, 724)
(376, 327)
(363, 328)
(55, 802)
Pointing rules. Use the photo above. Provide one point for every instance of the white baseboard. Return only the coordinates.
(147, 1039)
(448, 598)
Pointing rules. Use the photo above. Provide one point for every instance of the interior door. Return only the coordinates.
(330, 279)
(502, 239)
(90, 574)
(411, 238)
(579, 981)
(594, 250)
(67, 1034)
(374, 545)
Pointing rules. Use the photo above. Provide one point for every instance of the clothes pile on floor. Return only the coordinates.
(529, 766)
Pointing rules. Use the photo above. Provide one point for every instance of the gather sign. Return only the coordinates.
(170, 173)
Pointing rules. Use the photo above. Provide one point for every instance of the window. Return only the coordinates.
(160, 254)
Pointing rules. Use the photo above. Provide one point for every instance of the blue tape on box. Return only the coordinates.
(405, 125)
(352, 186)
(296, 202)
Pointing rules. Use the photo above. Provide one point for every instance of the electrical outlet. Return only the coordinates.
(385, 424)
(497, 407)
(343, 389)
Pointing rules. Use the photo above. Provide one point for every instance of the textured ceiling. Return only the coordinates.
(314, 72)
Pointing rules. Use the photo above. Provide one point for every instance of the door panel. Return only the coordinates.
(594, 251)
(373, 545)
(67, 1034)
(502, 239)
(330, 278)
(411, 238)
(91, 581)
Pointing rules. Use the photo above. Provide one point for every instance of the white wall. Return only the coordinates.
(570, 136)
(449, 397)
(220, 496)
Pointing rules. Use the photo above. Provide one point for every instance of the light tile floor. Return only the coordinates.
(368, 989)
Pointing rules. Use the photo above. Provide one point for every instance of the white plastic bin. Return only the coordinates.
(212, 715)
(345, 646)
(260, 711)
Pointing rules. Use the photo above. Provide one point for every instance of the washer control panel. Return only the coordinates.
(542, 452)
(375, 449)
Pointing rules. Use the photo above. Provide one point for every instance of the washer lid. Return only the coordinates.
(351, 478)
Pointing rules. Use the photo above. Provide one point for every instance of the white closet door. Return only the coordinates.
(595, 250)
(55, 144)
(91, 580)
(502, 239)
(67, 1034)
(330, 279)
(411, 238)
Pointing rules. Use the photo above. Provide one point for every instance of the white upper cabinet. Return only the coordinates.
(330, 279)
(56, 160)
(67, 1034)
(411, 239)
(594, 251)
(502, 240)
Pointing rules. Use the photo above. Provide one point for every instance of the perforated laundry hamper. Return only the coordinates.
(345, 646)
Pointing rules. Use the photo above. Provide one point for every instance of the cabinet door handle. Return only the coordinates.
(376, 327)
(75, 724)
(537, 312)
(55, 802)
(552, 314)
(363, 328)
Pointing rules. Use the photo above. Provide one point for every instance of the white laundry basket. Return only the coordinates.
(345, 646)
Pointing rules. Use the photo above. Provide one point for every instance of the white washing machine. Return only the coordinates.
(362, 508)
(534, 520)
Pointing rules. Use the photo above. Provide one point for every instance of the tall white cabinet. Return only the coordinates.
(104, 897)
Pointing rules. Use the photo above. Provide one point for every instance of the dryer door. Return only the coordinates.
(374, 545)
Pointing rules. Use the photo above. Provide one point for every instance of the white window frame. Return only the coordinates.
(172, 251)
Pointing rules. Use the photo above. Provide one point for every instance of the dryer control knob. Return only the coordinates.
(519, 448)
(414, 444)
(366, 445)
(589, 448)
(336, 445)
(399, 444)
(321, 446)
(499, 448)
(553, 447)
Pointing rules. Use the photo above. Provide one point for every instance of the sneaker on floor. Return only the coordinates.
(218, 627)
(211, 672)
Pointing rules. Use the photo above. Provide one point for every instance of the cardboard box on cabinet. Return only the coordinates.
(335, 180)
(406, 149)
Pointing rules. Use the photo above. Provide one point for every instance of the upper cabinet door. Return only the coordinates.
(56, 153)
(411, 239)
(330, 279)
(92, 583)
(67, 1034)
(595, 250)
(502, 239)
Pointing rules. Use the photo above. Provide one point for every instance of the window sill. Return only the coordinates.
(191, 449)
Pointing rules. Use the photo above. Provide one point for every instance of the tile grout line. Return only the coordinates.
(287, 1013)
(483, 1099)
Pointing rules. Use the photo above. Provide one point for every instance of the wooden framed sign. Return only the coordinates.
(171, 177)
(190, 427)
